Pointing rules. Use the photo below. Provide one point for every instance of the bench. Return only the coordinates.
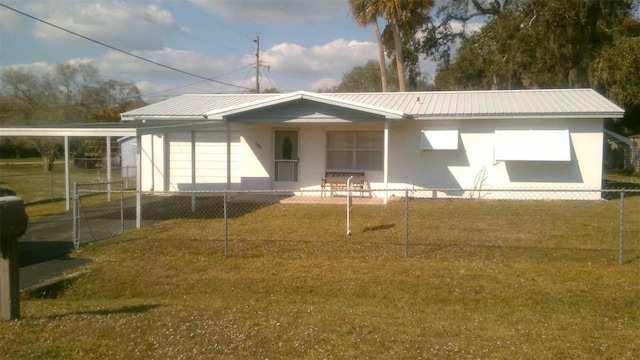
(337, 181)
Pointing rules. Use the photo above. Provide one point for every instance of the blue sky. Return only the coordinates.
(306, 44)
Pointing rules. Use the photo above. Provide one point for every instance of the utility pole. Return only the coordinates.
(257, 41)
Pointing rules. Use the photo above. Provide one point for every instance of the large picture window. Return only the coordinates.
(355, 150)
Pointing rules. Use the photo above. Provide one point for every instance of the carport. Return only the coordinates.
(108, 130)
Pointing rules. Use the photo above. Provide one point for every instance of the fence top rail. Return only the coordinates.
(390, 190)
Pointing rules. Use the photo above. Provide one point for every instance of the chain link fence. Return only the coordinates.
(412, 223)
(35, 186)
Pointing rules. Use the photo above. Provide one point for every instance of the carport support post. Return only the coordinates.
(9, 279)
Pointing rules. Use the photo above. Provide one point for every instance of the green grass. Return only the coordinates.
(44, 193)
(499, 280)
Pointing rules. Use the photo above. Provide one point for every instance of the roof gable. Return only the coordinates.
(303, 95)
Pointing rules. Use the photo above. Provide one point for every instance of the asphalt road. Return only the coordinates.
(45, 249)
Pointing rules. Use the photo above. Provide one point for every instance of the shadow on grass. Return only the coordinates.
(45, 201)
(161, 208)
(123, 310)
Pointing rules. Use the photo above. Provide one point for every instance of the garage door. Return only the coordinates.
(211, 160)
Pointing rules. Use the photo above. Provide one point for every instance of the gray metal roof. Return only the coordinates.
(417, 105)
(510, 103)
(194, 105)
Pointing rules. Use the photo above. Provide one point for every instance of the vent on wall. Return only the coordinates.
(439, 139)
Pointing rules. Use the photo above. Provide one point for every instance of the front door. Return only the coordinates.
(286, 156)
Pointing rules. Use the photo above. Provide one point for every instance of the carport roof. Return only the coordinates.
(120, 129)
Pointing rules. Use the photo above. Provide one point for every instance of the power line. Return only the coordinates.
(182, 33)
(122, 51)
(195, 83)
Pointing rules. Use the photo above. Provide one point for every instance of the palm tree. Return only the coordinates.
(402, 14)
(366, 12)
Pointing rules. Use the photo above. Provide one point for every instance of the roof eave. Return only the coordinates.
(519, 116)
(164, 117)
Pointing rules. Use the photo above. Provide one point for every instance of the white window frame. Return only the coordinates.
(355, 150)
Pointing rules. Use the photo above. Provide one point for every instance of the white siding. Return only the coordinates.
(472, 166)
(211, 160)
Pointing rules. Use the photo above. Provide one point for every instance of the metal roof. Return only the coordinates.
(501, 103)
(417, 105)
(194, 106)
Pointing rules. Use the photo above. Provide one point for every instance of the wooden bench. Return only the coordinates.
(337, 181)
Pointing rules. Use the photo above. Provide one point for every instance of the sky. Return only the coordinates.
(304, 44)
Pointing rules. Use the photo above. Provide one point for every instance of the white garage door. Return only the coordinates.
(211, 160)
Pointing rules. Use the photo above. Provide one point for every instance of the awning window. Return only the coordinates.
(439, 139)
(532, 145)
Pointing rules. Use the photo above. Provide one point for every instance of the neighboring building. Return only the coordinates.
(454, 141)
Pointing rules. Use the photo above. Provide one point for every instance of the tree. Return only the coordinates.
(405, 18)
(71, 94)
(615, 72)
(443, 30)
(363, 79)
(366, 78)
(366, 12)
(539, 43)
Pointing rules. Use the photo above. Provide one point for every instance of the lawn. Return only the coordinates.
(44, 193)
(484, 279)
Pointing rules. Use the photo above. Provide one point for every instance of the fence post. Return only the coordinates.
(226, 224)
(406, 223)
(121, 207)
(51, 184)
(349, 204)
(76, 215)
(621, 235)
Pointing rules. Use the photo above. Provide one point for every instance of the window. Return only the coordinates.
(355, 150)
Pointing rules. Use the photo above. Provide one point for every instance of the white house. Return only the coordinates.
(454, 141)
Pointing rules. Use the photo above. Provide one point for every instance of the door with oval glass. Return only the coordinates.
(286, 156)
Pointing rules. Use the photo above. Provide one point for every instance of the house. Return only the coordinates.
(457, 142)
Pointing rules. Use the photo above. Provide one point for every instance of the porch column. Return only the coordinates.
(138, 181)
(67, 178)
(386, 162)
(108, 168)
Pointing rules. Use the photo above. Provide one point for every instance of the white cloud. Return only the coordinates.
(334, 57)
(275, 11)
(9, 20)
(298, 68)
(325, 83)
(126, 25)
